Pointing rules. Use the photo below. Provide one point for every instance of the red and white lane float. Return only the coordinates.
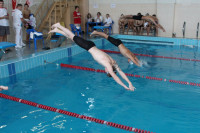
(123, 127)
(154, 56)
(133, 75)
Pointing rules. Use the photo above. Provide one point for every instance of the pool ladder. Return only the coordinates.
(197, 34)
(184, 24)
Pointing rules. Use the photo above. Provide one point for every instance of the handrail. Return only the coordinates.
(197, 35)
(184, 24)
(48, 13)
(40, 7)
(54, 9)
(42, 11)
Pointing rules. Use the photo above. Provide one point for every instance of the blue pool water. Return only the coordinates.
(157, 106)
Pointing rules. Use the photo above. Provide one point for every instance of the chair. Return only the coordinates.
(105, 27)
(35, 37)
(75, 30)
(3, 46)
(110, 27)
(58, 36)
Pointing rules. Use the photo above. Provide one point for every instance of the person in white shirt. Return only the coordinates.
(98, 18)
(4, 23)
(17, 24)
(89, 17)
(108, 20)
(32, 21)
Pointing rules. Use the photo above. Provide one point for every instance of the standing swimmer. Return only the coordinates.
(101, 57)
(139, 16)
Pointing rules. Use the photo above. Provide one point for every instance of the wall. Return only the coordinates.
(171, 13)
(165, 14)
(122, 6)
(188, 12)
(84, 8)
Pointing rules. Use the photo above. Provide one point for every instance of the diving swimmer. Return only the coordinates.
(101, 57)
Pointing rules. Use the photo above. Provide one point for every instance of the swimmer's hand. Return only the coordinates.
(131, 87)
(126, 87)
(3, 88)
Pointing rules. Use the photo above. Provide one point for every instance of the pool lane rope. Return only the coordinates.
(111, 124)
(153, 56)
(133, 75)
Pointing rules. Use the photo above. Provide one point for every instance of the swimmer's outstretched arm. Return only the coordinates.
(123, 75)
(115, 77)
(149, 18)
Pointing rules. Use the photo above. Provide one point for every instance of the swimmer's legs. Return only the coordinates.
(56, 30)
(67, 32)
(112, 40)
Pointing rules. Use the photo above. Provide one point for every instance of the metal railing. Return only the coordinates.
(42, 10)
(197, 34)
(184, 25)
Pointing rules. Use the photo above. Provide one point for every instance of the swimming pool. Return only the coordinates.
(161, 107)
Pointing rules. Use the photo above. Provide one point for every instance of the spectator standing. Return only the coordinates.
(26, 12)
(77, 17)
(153, 27)
(4, 23)
(17, 24)
(26, 15)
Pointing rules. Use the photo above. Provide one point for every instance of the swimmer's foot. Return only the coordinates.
(93, 33)
(53, 31)
(3, 88)
(56, 30)
(55, 25)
